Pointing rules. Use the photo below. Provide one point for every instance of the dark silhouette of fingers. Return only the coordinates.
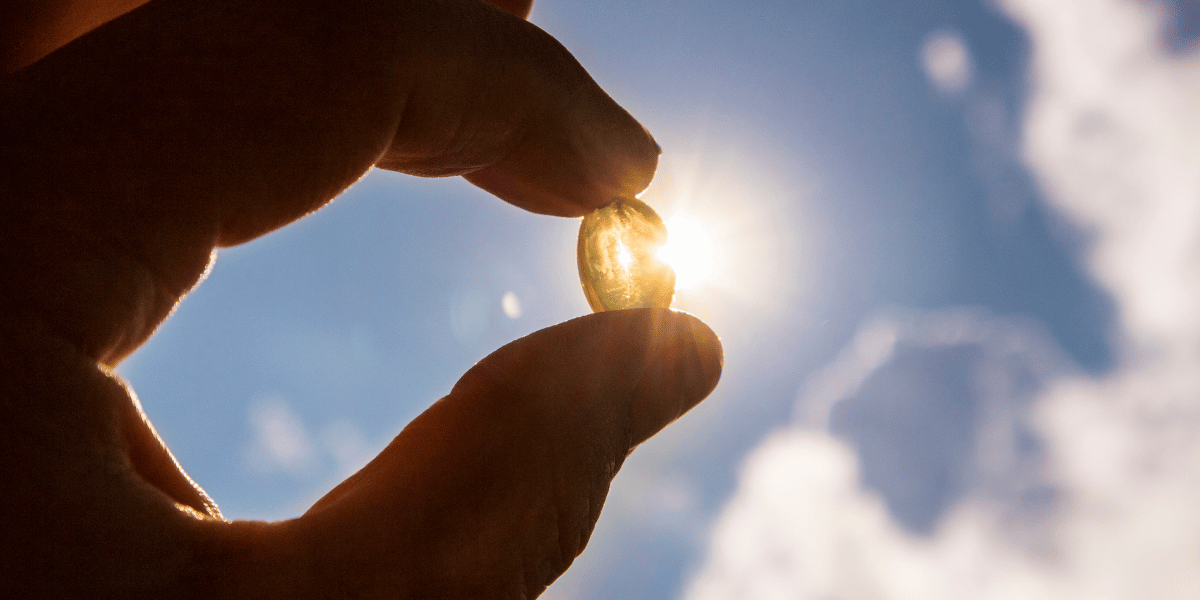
(133, 151)
(495, 489)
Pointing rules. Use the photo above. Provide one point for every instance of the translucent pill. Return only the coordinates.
(618, 265)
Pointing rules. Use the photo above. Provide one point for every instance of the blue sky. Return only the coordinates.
(955, 280)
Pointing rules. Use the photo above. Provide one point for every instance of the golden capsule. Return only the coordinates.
(618, 266)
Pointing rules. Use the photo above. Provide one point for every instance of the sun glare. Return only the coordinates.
(690, 250)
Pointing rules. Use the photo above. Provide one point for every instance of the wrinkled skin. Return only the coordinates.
(134, 140)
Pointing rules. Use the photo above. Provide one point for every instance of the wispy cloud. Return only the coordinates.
(281, 443)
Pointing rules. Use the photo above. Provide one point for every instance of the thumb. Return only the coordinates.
(496, 488)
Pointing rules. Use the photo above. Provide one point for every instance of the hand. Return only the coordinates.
(130, 153)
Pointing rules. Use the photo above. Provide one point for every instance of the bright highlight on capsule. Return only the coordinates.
(619, 262)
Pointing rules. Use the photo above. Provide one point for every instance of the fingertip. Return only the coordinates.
(709, 355)
(507, 106)
(576, 162)
(681, 370)
(618, 156)
(620, 151)
(617, 376)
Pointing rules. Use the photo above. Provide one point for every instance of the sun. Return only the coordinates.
(691, 250)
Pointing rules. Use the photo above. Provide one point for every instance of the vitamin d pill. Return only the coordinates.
(617, 262)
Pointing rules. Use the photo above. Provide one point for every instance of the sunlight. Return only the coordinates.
(738, 237)
(691, 250)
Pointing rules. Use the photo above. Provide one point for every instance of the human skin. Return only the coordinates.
(135, 140)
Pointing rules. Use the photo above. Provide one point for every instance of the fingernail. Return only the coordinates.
(682, 368)
(707, 361)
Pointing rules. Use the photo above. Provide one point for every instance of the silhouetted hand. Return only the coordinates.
(130, 153)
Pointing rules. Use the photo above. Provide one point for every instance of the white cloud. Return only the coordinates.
(810, 521)
(801, 527)
(1104, 507)
(1112, 135)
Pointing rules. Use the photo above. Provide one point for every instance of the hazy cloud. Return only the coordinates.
(511, 305)
(280, 441)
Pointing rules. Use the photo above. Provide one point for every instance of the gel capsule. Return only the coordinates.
(617, 262)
